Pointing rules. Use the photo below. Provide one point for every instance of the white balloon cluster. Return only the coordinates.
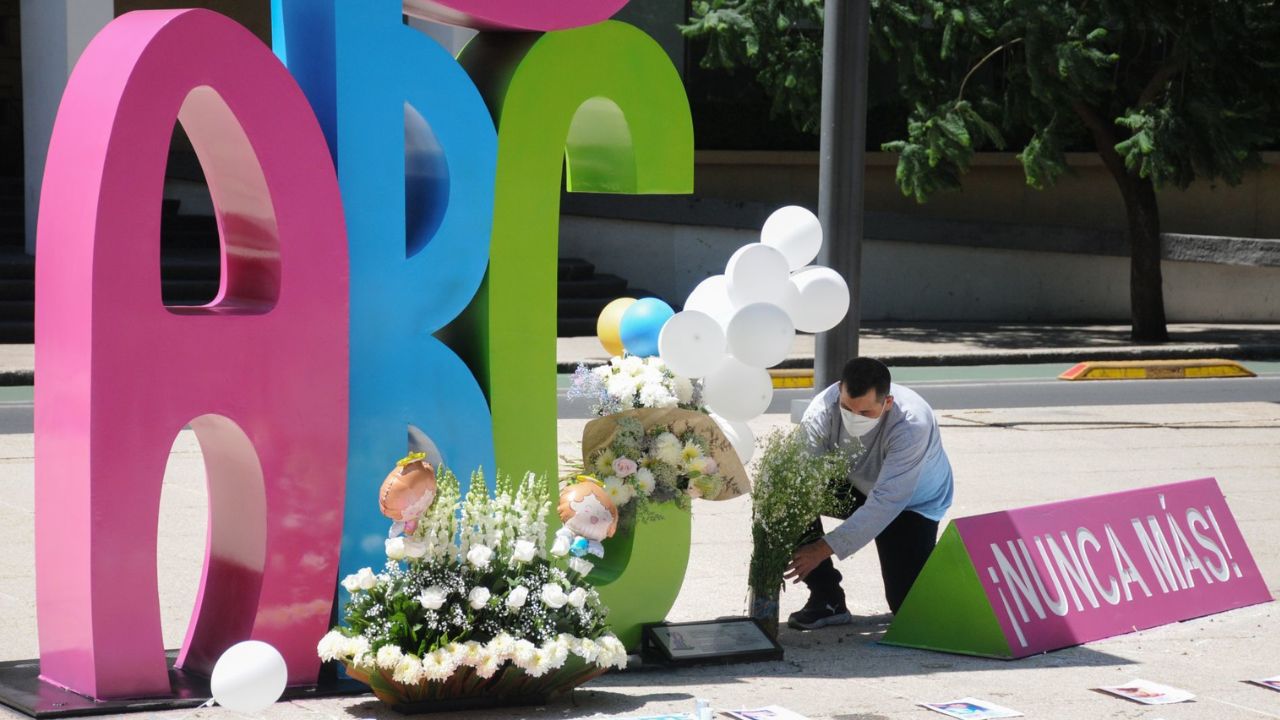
(736, 325)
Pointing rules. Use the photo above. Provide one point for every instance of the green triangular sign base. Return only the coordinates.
(947, 609)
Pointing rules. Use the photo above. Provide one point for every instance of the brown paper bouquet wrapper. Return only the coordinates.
(600, 432)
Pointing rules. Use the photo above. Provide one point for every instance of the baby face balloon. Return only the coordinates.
(587, 510)
(407, 492)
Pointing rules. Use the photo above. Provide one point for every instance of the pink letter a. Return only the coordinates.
(260, 373)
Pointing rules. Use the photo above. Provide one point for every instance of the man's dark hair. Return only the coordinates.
(862, 374)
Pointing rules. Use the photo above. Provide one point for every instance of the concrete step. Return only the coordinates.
(574, 269)
(597, 286)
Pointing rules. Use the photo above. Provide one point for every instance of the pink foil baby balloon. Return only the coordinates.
(515, 14)
(260, 373)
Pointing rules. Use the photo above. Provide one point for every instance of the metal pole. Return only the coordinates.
(844, 137)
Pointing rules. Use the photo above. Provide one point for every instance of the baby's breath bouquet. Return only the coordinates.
(629, 382)
(792, 487)
(469, 605)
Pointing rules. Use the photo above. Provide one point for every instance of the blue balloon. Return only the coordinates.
(641, 324)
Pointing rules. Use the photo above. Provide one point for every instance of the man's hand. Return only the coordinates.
(806, 559)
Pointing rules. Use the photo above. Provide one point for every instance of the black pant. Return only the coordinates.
(903, 547)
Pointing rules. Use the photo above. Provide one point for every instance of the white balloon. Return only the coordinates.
(756, 273)
(761, 335)
(249, 677)
(737, 391)
(691, 344)
(794, 231)
(791, 301)
(739, 436)
(711, 296)
(824, 299)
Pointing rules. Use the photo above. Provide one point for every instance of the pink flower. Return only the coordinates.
(710, 467)
(624, 467)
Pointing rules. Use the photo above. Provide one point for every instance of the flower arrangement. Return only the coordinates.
(656, 465)
(470, 605)
(792, 487)
(629, 382)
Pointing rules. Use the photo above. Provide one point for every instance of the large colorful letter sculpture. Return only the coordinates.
(605, 103)
(515, 14)
(393, 88)
(1021, 582)
(260, 373)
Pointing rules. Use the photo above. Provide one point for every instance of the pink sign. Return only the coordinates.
(1066, 573)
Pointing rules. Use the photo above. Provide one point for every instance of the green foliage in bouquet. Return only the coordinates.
(470, 601)
(792, 487)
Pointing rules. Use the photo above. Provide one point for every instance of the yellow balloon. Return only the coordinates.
(607, 326)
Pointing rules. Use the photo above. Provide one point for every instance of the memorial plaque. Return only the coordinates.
(728, 640)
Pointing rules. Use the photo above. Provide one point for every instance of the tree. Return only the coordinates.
(1165, 91)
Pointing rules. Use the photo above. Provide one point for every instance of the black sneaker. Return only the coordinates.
(814, 616)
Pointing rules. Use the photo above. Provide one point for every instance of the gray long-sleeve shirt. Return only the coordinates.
(899, 465)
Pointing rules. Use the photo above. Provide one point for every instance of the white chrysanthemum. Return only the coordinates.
(502, 646)
(645, 481)
(602, 371)
(553, 596)
(523, 654)
(357, 646)
(332, 646)
(365, 661)
(667, 447)
(657, 396)
(588, 650)
(395, 548)
(389, 657)
(684, 389)
(623, 387)
(578, 597)
(479, 556)
(524, 551)
(408, 670)
(582, 566)
(613, 649)
(473, 653)
(488, 667)
(632, 365)
(517, 597)
(700, 463)
(690, 452)
(478, 597)
(433, 598)
(619, 491)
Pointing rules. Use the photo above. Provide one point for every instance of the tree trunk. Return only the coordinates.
(1146, 284)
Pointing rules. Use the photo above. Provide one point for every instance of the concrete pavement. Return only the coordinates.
(1002, 458)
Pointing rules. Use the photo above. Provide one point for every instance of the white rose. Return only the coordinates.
(578, 597)
(351, 583)
(582, 566)
(553, 596)
(517, 597)
(366, 579)
(524, 551)
(479, 556)
(433, 598)
(478, 596)
(395, 548)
